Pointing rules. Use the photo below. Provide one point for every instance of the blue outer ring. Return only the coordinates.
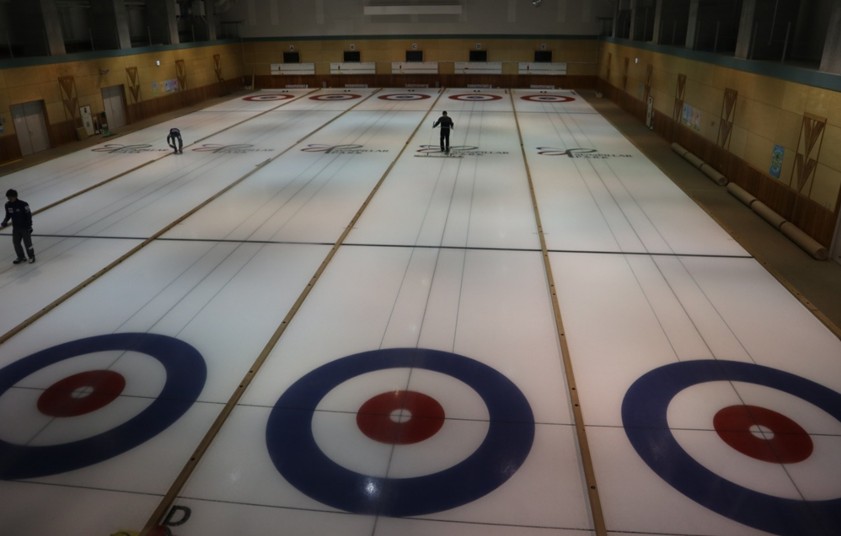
(332, 97)
(558, 98)
(396, 97)
(185, 376)
(296, 455)
(644, 417)
(269, 97)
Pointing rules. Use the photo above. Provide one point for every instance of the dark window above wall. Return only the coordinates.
(644, 20)
(674, 21)
(790, 30)
(717, 26)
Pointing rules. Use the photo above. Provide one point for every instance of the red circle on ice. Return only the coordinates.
(400, 417)
(81, 393)
(779, 440)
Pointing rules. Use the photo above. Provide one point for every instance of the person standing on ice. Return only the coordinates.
(446, 124)
(17, 210)
(174, 140)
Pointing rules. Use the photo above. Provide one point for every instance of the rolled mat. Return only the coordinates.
(740, 193)
(676, 147)
(767, 214)
(806, 242)
(713, 174)
(694, 160)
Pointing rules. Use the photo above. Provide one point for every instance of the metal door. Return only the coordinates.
(31, 127)
(114, 104)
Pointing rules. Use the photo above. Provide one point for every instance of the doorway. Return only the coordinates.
(30, 122)
(114, 104)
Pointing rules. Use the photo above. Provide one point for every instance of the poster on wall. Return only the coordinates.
(168, 86)
(777, 154)
(691, 117)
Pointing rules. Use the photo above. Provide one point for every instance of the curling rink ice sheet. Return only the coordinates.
(389, 304)
(72, 173)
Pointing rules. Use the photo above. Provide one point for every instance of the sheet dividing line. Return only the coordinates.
(826, 321)
(550, 110)
(308, 288)
(44, 208)
(461, 247)
(630, 199)
(419, 246)
(581, 434)
(229, 127)
(75, 290)
(204, 444)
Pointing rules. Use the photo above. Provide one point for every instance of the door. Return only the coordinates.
(114, 104)
(31, 127)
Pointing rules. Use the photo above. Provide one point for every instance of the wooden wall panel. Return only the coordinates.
(431, 80)
(9, 148)
(811, 217)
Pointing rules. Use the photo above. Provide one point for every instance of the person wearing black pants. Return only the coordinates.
(18, 212)
(174, 140)
(446, 124)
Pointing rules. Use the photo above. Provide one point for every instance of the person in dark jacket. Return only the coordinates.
(446, 124)
(18, 212)
(174, 140)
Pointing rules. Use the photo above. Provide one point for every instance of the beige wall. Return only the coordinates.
(41, 82)
(768, 111)
(581, 55)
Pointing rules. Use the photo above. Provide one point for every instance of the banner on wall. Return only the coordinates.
(87, 119)
(777, 154)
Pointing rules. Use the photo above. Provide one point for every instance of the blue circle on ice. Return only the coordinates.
(644, 411)
(297, 457)
(269, 97)
(404, 96)
(335, 97)
(185, 377)
(548, 98)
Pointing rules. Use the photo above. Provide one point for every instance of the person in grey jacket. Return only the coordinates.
(17, 211)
